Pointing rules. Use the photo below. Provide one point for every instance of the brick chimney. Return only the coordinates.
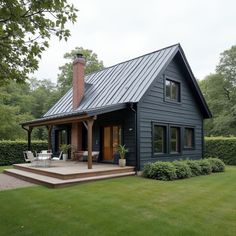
(78, 80)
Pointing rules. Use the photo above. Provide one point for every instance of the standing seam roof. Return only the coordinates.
(121, 83)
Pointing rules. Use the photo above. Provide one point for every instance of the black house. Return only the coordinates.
(151, 103)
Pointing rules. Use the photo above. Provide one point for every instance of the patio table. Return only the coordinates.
(45, 158)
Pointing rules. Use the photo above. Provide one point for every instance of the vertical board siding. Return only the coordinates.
(154, 108)
(125, 118)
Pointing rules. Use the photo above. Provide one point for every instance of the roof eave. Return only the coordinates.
(79, 115)
(207, 113)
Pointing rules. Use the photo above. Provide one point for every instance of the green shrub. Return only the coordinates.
(147, 170)
(205, 167)
(222, 148)
(11, 152)
(182, 170)
(217, 165)
(160, 170)
(195, 167)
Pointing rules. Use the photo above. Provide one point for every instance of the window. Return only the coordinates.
(174, 140)
(61, 138)
(159, 141)
(188, 137)
(172, 90)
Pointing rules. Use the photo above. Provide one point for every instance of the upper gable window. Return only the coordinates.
(172, 90)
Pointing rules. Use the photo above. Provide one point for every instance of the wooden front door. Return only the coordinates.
(111, 139)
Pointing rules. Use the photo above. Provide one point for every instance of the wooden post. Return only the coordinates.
(90, 143)
(49, 128)
(29, 138)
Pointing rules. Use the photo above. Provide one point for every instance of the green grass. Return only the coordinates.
(203, 205)
(2, 168)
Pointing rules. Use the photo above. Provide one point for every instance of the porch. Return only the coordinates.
(100, 133)
(61, 173)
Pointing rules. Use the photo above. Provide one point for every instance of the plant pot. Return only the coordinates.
(65, 157)
(122, 162)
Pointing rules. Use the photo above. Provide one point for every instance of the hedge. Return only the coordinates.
(160, 170)
(182, 169)
(11, 152)
(223, 148)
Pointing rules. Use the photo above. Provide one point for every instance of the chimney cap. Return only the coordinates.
(79, 55)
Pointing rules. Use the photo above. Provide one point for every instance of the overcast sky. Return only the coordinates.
(118, 30)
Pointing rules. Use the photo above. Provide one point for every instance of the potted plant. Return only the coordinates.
(122, 150)
(64, 148)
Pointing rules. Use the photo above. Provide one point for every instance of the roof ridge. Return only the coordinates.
(134, 58)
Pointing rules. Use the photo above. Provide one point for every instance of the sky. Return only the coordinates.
(118, 30)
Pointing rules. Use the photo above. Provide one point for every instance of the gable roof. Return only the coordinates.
(118, 84)
(113, 87)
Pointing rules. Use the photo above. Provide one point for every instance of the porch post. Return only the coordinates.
(90, 143)
(29, 137)
(49, 128)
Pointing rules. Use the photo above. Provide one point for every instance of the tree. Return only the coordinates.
(21, 102)
(92, 64)
(219, 89)
(25, 29)
(227, 66)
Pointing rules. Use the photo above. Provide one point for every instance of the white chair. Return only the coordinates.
(44, 151)
(29, 157)
(57, 158)
(84, 156)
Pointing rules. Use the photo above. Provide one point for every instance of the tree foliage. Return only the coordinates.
(26, 101)
(25, 28)
(21, 102)
(92, 64)
(219, 89)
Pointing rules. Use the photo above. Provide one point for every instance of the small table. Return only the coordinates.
(45, 158)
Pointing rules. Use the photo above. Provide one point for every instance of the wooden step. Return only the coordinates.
(75, 173)
(52, 182)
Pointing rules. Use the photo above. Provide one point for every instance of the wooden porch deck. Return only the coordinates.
(61, 173)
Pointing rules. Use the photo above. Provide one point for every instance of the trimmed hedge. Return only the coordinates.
(195, 168)
(182, 169)
(217, 165)
(223, 148)
(11, 152)
(160, 170)
(205, 165)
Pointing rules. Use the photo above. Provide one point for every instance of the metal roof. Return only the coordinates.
(119, 84)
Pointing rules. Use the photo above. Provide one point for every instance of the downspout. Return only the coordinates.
(203, 139)
(136, 140)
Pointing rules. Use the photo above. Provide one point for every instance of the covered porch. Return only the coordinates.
(76, 123)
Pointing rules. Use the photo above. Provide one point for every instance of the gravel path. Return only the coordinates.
(9, 182)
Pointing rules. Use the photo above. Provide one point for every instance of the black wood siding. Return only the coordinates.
(125, 118)
(154, 108)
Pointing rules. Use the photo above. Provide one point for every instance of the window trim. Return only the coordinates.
(194, 141)
(168, 126)
(154, 154)
(169, 100)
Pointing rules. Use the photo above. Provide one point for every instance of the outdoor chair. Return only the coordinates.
(57, 158)
(29, 157)
(83, 155)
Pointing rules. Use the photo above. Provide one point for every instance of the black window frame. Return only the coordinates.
(193, 138)
(169, 99)
(165, 139)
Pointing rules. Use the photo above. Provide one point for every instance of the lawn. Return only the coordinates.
(203, 205)
(4, 167)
